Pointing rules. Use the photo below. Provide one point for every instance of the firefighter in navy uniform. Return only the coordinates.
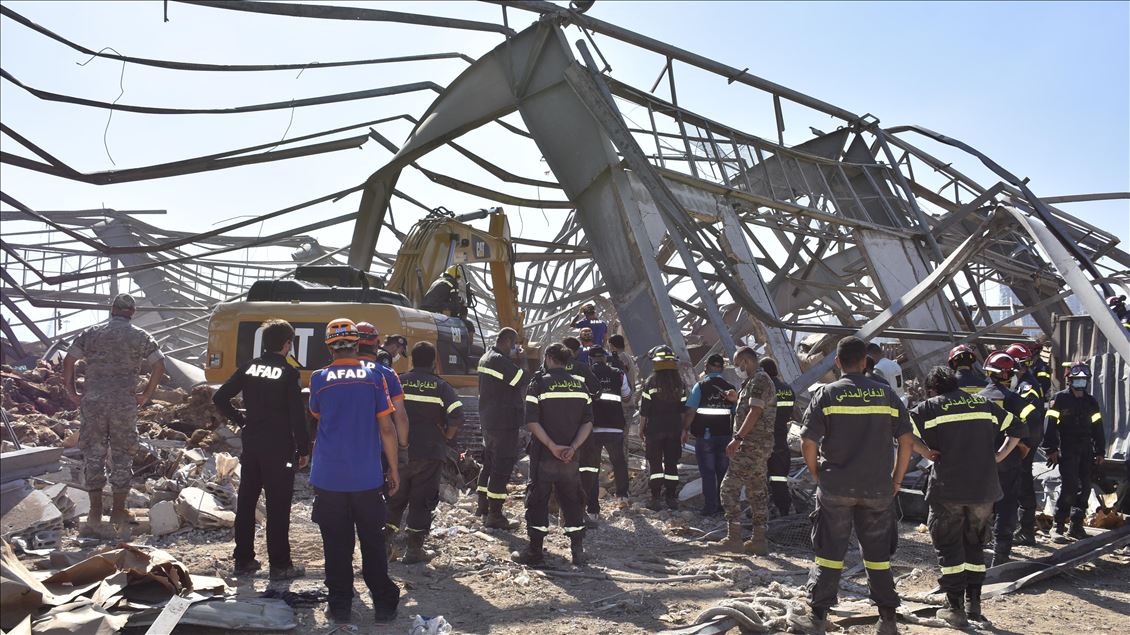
(849, 431)
(1040, 369)
(502, 382)
(434, 416)
(1028, 387)
(962, 360)
(961, 433)
(781, 459)
(444, 297)
(275, 443)
(661, 426)
(999, 367)
(1117, 304)
(1075, 441)
(559, 416)
(607, 433)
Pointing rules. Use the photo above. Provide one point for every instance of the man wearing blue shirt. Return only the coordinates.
(588, 320)
(708, 417)
(355, 427)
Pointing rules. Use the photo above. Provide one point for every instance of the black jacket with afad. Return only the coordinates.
(276, 417)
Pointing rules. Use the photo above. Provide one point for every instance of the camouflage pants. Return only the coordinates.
(749, 468)
(109, 425)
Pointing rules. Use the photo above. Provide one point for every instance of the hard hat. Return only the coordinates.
(663, 358)
(1020, 352)
(958, 353)
(1078, 376)
(453, 271)
(367, 332)
(384, 358)
(1115, 300)
(341, 333)
(1000, 365)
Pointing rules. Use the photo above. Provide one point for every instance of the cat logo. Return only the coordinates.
(266, 372)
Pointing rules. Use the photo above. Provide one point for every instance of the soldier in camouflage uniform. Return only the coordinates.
(754, 416)
(108, 404)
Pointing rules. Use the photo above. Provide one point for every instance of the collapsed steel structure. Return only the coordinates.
(691, 228)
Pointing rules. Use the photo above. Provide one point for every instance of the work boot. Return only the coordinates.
(119, 515)
(495, 518)
(577, 550)
(888, 621)
(533, 555)
(339, 614)
(415, 552)
(93, 525)
(954, 611)
(672, 502)
(814, 622)
(1077, 532)
(1060, 533)
(656, 502)
(1001, 555)
(481, 510)
(245, 567)
(1025, 537)
(287, 573)
(733, 540)
(757, 544)
(591, 521)
(973, 602)
(384, 614)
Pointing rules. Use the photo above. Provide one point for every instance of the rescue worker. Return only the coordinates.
(579, 359)
(1000, 367)
(367, 354)
(755, 415)
(275, 441)
(963, 361)
(1028, 387)
(607, 433)
(559, 416)
(708, 418)
(1075, 441)
(396, 346)
(961, 434)
(1040, 369)
(587, 319)
(114, 351)
(586, 340)
(346, 473)
(781, 459)
(444, 296)
(847, 434)
(1117, 304)
(661, 427)
(888, 368)
(434, 416)
(502, 382)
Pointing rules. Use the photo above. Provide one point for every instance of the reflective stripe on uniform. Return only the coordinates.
(482, 489)
(671, 477)
(589, 469)
(1043, 373)
(829, 564)
(544, 530)
(973, 390)
(783, 404)
(532, 398)
(1097, 417)
(453, 406)
(497, 496)
(954, 569)
(491, 372)
(779, 478)
(1028, 410)
(422, 398)
(713, 411)
(976, 568)
(1007, 421)
(655, 476)
(1054, 414)
(517, 378)
(565, 395)
(861, 410)
(573, 530)
(610, 397)
(963, 416)
(877, 566)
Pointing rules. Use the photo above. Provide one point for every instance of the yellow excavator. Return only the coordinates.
(318, 294)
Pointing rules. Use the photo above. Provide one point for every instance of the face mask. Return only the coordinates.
(740, 372)
(1079, 384)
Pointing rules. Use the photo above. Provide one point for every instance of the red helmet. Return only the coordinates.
(1115, 300)
(1000, 366)
(1020, 352)
(367, 332)
(962, 355)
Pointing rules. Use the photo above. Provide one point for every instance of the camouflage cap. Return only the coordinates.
(124, 301)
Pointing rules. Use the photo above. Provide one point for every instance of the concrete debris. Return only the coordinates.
(34, 523)
(163, 518)
(28, 462)
(203, 510)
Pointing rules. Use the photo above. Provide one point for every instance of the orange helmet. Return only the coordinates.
(367, 333)
(341, 333)
(1021, 353)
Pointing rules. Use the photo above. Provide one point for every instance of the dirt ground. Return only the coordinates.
(471, 581)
